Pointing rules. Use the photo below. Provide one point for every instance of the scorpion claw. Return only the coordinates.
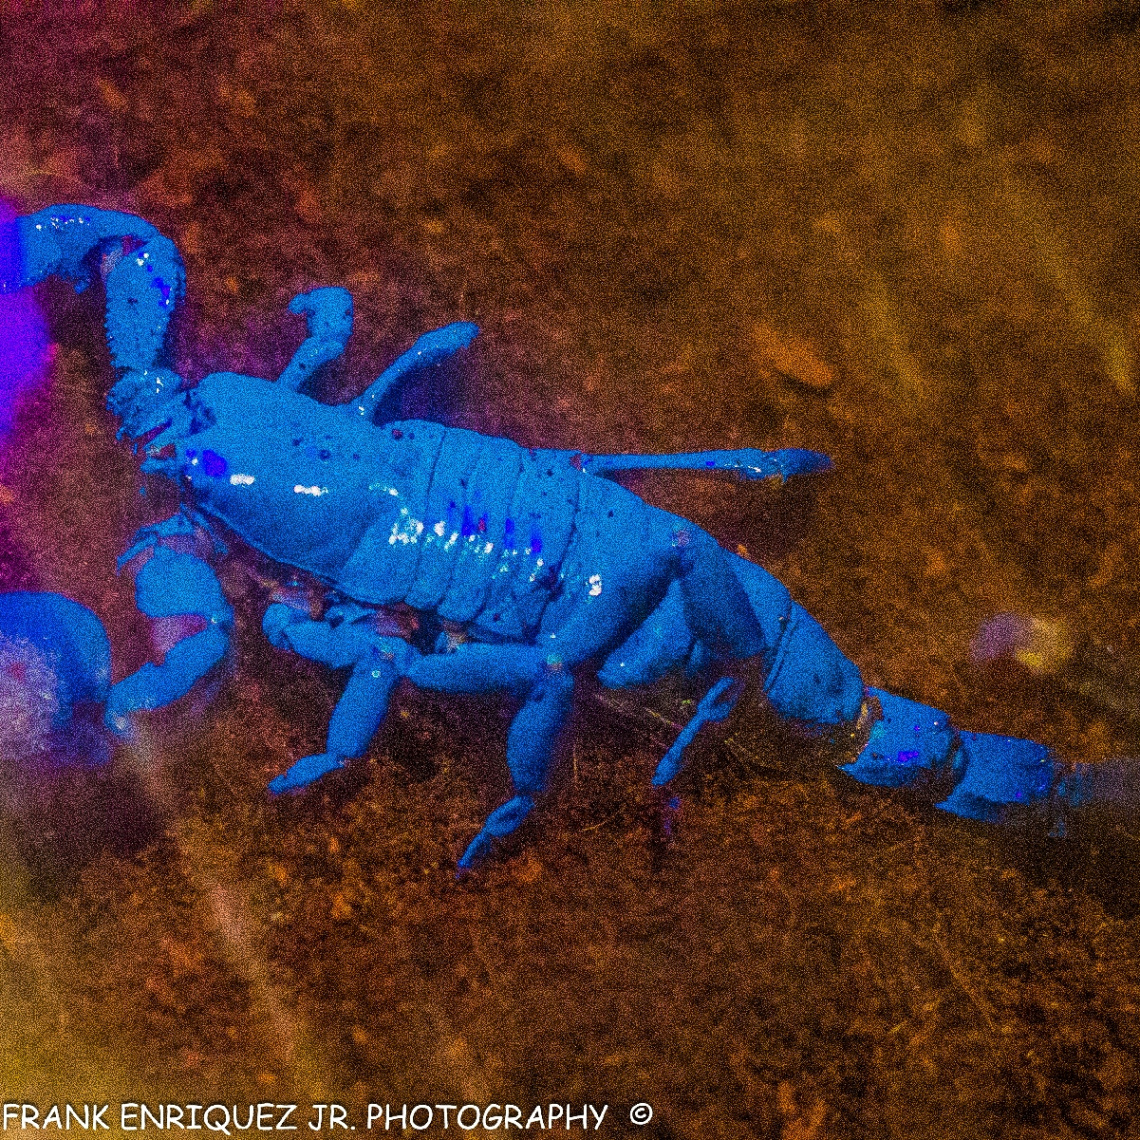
(306, 771)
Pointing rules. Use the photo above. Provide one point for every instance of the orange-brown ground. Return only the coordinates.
(904, 235)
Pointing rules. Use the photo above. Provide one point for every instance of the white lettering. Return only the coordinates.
(459, 1117)
(217, 1126)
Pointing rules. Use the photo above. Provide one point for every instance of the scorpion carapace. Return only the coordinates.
(469, 564)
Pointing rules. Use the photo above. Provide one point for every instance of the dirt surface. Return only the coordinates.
(904, 236)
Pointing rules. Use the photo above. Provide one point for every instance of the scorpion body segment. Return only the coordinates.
(522, 569)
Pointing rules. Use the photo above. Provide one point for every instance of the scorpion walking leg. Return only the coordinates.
(377, 663)
(661, 644)
(680, 561)
(745, 463)
(713, 708)
(431, 348)
(581, 626)
(547, 686)
(329, 315)
(804, 675)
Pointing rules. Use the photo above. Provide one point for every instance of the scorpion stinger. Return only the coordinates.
(468, 564)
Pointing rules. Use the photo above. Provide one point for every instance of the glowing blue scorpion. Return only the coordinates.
(470, 564)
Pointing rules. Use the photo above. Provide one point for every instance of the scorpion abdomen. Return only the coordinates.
(538, 525)
(483, 546)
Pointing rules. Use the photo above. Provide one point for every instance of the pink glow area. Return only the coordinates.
(23, 332)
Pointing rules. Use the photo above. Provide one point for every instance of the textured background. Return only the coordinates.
(904, 235)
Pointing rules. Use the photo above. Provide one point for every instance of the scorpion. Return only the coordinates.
(464, 563)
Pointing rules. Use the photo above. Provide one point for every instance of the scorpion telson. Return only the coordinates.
(523, 568)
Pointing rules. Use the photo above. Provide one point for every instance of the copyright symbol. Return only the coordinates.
(641, 1113)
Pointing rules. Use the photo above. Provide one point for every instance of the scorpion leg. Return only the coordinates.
(328, 312)
(547, 687)
(805, 676)
(431, 348)
(746, 463)
(594, 623)
(713, 708)
(377, 663)
(678, 560)
(177, 590)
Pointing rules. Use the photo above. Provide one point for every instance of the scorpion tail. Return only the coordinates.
(980, 776)
(974, 775)
(806, 677)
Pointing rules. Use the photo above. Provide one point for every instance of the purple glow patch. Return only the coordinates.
(213, 464)
(23, 333)
(1000, 636)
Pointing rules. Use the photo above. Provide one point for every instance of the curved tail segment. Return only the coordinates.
(980, 776)
(904, 744)
(901, 744)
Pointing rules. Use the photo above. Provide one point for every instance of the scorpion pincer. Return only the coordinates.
(522, 569)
